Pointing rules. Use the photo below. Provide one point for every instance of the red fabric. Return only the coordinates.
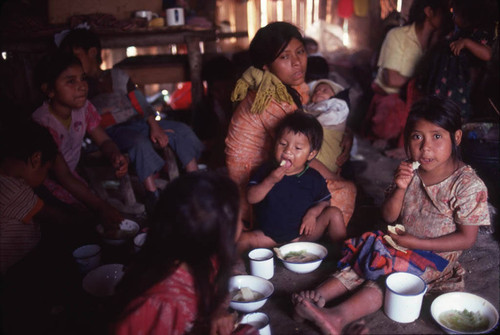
(135, 103)
(345, 8)
(386, 116)
(107, 120)
(181, 97)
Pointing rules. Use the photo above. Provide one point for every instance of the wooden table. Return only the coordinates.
(29, 47)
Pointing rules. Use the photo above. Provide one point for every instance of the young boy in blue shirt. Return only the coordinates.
(291, 200)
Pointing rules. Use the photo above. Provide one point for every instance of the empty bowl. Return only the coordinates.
(464, 313)
(128, 229)
(249, 293)
(101, 281)
(302, 257)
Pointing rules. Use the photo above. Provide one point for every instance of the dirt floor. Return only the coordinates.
(372, 175)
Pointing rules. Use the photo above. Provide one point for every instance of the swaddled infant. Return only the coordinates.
(332, 114)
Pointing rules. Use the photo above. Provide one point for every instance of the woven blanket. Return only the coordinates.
(371, 257)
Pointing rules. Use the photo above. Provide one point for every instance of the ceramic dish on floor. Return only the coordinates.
(128, 230)
(301, 257)
(464, 313)
(249, 293)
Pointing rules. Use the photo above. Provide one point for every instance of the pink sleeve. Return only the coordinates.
(92, 117)
(154, 317)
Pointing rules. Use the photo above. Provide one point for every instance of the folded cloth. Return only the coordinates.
(371, 257)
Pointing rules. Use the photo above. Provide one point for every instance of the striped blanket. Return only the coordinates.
(371, 257)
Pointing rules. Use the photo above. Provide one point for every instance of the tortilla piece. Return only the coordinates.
(283, 162)
(415, 165)
(392, 229)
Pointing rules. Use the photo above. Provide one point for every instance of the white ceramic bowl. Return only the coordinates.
(101, 281)
(460, 301)
(128, 230)
(310, 247)
(257, 284)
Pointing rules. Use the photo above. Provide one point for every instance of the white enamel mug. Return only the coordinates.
(261, 263)
(87, 257)
(404, 293)
(175, 16)
(259, 321)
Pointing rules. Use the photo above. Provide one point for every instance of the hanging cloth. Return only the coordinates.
(345, 8)
(361, 7)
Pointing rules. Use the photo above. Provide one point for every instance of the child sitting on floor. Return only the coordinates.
(291, 201)
(69, 116)
(332, 114)
(178, 282)
(26, 156)
(440, 204)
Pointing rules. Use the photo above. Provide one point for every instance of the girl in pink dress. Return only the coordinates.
(441, 204)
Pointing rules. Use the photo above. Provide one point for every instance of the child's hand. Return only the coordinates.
(403, 175)
(110, 216)
(222, 322)
(405, 240)
(458, 45)
(308, 224)
(277, 174)
(120, 164)
(159, 137)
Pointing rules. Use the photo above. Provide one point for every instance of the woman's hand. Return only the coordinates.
(345, 146)
(403, 175)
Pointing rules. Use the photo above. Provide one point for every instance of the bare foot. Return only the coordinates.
(328, 323)
(356, 328)
(312, 295)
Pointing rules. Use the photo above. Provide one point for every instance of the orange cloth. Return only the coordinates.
(249, 143)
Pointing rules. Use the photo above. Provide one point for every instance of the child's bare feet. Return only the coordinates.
(328, 322)
(312, 295)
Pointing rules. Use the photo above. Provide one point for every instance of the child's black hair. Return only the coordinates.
(440, 111)
(303, 123)
(52, 65)
(194, 223)
(82, 38)
(476, 13)
(21, 140)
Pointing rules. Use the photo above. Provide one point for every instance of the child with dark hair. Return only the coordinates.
(69, 116)
(27, 151)
(178, 283)
(291, 200)
(129, 119)
(454, 68)
(441, 204)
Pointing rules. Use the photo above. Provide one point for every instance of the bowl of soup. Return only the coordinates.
(249, 293)
(126, 231)
(464, 313)
(301, 257)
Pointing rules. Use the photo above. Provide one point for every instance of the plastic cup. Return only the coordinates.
(261, 263)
